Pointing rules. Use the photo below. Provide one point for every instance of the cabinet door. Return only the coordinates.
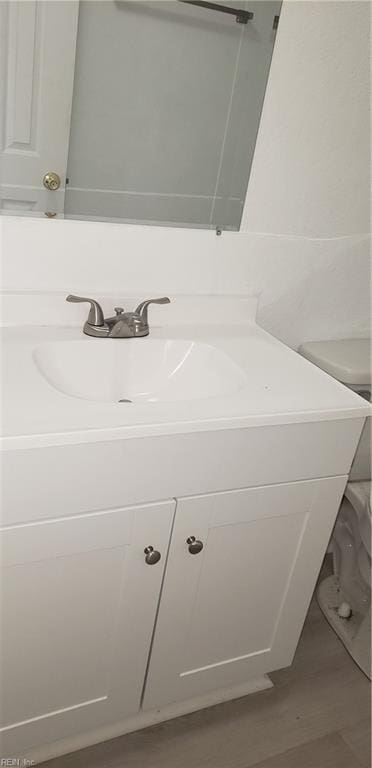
(78, 606)
(235, 610)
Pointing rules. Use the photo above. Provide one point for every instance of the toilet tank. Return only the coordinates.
(349, 361)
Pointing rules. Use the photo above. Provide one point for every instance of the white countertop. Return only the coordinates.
(281, 388)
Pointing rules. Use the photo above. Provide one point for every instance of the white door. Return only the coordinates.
(235, 610)
(37, 59)
(78, 606)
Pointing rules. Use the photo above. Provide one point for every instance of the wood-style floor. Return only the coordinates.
(316, 716)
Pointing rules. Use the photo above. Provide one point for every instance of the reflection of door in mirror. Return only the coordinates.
(37, 59)
(154, 120)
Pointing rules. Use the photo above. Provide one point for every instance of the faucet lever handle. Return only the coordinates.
(95, 316)
(143, 307)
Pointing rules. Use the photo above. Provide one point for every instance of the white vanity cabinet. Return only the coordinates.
(89, 626)
(78, 607)
(235, 609)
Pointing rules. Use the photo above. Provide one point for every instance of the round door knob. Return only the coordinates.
(195, 546)
(152, 555)
(51, 181)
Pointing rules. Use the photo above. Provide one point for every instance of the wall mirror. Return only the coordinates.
(133, 111)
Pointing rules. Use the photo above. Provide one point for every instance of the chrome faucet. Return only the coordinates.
(124, 325)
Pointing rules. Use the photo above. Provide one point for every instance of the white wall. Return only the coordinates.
(311, 171)
(309, 289)
(311, 260)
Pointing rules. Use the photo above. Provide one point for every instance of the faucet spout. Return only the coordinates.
(120, 330)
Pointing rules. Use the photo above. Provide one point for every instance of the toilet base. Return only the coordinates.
(355, 632)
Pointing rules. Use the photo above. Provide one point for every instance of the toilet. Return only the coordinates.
(345, 596)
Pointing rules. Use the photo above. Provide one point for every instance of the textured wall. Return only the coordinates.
(310, 289)
(311, 170)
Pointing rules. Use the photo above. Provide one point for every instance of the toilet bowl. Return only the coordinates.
(345, 596)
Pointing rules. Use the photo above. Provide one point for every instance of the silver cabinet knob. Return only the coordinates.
(51, 181)
(152, 555)
(195, 546)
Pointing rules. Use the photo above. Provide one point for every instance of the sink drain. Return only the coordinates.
(125, 400)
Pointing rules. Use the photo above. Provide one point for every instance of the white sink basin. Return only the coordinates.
(138, 370)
